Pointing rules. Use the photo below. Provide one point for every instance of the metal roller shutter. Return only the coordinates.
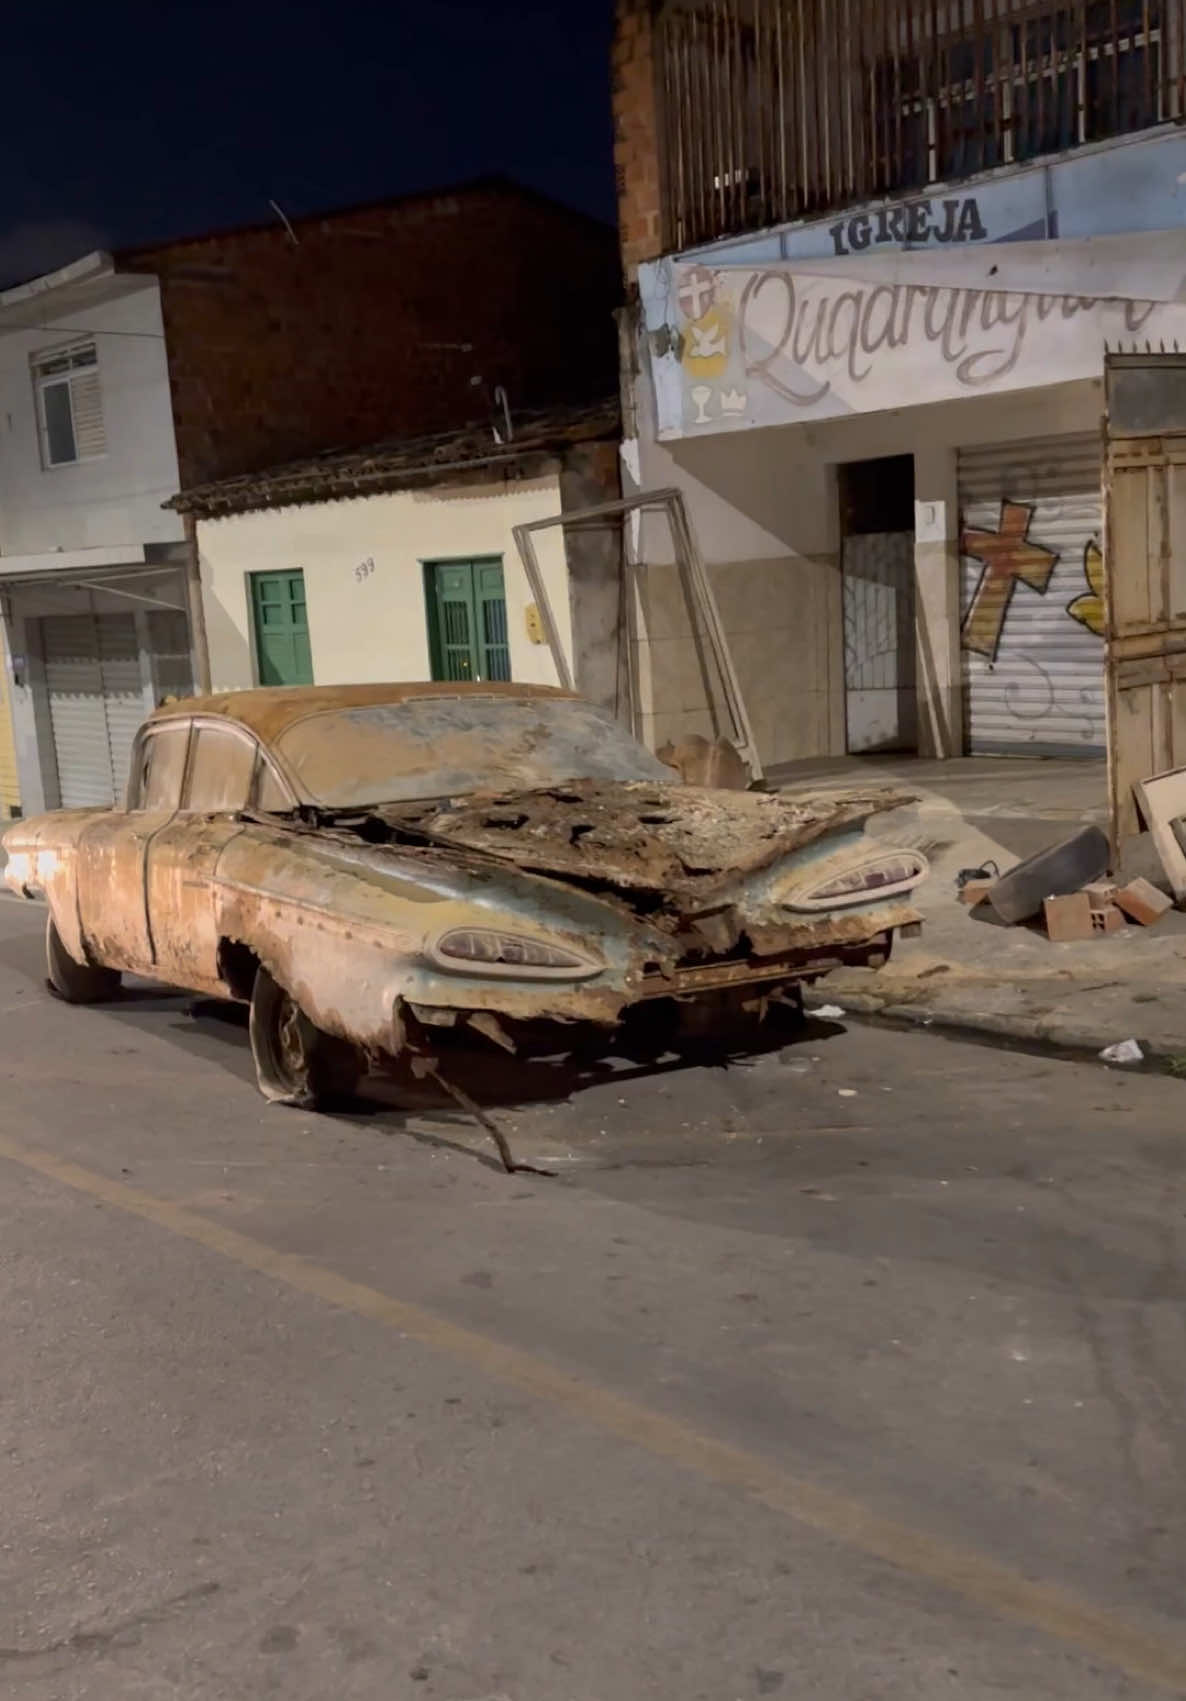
(1032, 570)
(96, 703)
(123, 693)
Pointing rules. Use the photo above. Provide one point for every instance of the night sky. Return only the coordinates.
(134, 121)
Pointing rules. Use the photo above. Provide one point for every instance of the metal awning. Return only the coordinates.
(111, 579)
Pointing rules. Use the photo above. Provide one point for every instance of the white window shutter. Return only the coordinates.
(86, 397)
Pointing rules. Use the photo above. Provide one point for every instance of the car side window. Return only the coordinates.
(220, 771)
(271, 794)
(162, 768)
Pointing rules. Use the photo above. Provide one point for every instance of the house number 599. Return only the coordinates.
(365, 569)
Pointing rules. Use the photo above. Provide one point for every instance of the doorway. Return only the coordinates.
(467, 619)
(877, 565)
(282, 650)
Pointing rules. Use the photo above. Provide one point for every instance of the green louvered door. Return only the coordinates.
(281, 628)
(467, 620)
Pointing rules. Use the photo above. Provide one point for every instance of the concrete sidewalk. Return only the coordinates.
(969, 972)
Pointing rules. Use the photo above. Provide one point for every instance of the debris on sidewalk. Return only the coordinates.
(1061, 869)
(974, 884)
(1068, 888)
(1142, 902)
(1127, 1051)
(1162, 802)
(1068, 917)
(830, 1012)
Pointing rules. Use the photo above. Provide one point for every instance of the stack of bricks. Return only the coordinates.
(1105, 908)
(636, 135)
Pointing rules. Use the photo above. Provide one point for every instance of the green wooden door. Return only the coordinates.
(281, 628)
(494, 650)
(467, 620)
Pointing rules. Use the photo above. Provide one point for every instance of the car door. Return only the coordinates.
(219, 785)
(114, 852)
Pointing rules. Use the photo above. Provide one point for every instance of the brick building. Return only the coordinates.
(875, 252)
(396, 319)
(126, 377)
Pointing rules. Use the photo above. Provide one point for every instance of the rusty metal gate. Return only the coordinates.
(879, 672)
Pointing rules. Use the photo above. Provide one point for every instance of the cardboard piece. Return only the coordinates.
(1162, 802)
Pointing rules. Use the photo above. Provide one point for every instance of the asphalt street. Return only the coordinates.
(853, 1373)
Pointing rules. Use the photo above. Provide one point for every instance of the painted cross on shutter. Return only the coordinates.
(1007, 555)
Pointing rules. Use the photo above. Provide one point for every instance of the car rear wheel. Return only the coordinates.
(76, 983)
(296, 1062)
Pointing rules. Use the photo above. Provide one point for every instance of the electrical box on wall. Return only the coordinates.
(535, 626)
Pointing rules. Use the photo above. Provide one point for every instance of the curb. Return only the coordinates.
(1036, 1033)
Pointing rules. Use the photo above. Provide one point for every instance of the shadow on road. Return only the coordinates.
(217, 1034)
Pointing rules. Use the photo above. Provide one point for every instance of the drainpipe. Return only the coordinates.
(199, 644)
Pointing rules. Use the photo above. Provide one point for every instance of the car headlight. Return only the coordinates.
(889, 875)
(481, 950)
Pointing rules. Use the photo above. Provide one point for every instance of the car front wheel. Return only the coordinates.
(76, 983)
(296, 1062)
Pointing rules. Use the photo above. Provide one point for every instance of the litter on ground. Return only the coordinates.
(1127, 1051)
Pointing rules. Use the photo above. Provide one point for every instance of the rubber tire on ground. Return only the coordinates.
(296, 1063)
(76, 983)
(1066, 867)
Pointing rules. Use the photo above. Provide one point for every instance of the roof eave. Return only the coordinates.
(88, 269)
(303, 485)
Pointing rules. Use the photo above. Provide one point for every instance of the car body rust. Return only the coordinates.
(598, 894)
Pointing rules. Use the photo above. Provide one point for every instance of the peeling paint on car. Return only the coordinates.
(660, 891)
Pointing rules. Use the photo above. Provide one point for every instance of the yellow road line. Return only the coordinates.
(1143, 1652)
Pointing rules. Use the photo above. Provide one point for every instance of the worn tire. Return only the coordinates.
(76, 983)
(1066, 867)
(296, 1063)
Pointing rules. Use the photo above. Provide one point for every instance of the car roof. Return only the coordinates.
(270, 710)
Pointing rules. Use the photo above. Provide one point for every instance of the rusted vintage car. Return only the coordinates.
(380, 870)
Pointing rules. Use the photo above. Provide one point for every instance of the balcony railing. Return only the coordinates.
(778, 109)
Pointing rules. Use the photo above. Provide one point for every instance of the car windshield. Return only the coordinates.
(440, 746)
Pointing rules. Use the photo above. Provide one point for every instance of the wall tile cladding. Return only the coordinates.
(280, 349)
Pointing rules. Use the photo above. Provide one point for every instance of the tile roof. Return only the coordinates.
(406, 463)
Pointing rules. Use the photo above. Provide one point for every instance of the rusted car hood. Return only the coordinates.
(679, 843)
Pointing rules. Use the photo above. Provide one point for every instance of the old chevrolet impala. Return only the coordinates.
(382, 870)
